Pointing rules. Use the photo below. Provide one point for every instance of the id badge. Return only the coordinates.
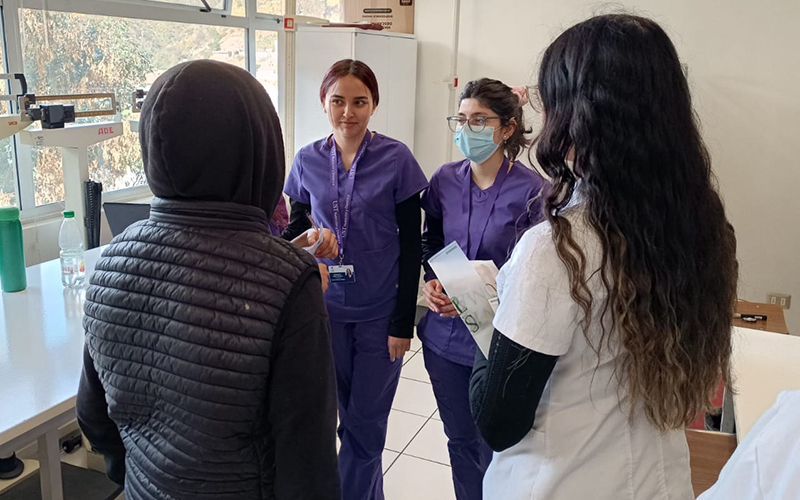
(342, 274)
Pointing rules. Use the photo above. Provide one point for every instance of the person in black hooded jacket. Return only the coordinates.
(208, 370)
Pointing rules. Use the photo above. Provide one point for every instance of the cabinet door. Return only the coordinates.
(374, 51)
(402, 97)
(316, 52)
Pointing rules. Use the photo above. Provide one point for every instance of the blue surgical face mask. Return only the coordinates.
(477, 146)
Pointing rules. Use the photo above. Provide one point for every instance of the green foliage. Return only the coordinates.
(75, 53)
(68, 53)
(7, 192)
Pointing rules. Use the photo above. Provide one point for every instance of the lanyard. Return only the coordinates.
(342, 227)
(482, 216)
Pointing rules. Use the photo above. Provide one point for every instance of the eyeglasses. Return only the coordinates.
(476, 124)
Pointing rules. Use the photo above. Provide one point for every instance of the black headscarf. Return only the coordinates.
(209, 132)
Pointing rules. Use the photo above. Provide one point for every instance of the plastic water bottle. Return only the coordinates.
(70, 239)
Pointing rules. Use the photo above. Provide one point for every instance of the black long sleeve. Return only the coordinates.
(409, 220)
(95, 423)
(298, 222)
(302, 399)
(432, 243)
(504, 391)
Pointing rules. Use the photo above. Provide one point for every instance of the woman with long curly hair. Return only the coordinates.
(615, 313)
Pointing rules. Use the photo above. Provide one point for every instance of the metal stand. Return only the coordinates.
(74, 142)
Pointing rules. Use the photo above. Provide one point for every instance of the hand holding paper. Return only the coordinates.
(314, 238)
(321, 243)
(472, 289)
(438, 302)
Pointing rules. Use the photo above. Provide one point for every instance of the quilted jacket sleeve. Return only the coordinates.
(302, 408)
(95, 423)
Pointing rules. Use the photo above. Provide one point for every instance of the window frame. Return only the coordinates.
(11, 106)
(150, 10)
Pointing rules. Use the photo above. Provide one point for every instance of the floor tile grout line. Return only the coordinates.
(411, 413)
(417, 434)
(403, 453)
(416, 380)
(426, 459)
(407, 360)
(411, 441)
(393, 461)
(427, 419)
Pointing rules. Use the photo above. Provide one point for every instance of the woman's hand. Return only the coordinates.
(398, 347)
(326, 278)
(438, 302)
(328, 249)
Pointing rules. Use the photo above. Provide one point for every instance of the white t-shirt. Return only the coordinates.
(766, 464)
(582, 445)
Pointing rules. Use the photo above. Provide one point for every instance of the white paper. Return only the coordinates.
(313, 248)
(488, 273)
(472, 288)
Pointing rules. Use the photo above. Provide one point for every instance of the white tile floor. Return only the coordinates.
(416, 465)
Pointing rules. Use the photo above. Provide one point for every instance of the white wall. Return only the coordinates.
(744, 67)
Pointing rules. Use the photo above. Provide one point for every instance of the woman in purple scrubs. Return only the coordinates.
(482, 202)
(364, 187)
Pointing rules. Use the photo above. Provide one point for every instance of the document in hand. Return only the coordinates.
(312, 249)
(472, 288)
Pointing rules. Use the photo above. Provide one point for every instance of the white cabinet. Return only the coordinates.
(393, 59)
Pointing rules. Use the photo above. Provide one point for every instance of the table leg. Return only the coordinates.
(727, 413)
(50, 466)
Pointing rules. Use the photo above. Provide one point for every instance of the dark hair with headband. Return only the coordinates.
(499, 97)
(347, 67)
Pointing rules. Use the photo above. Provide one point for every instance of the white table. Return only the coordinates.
(764, 364)
(41, 356)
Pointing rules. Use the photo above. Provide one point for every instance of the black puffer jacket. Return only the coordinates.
(208, 367)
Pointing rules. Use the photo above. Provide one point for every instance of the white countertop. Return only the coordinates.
(41, 348)
(764, 364)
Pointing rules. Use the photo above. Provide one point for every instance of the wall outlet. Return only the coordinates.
(779, 299)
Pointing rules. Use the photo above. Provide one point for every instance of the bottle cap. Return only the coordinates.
(9, 213)
(69, 214)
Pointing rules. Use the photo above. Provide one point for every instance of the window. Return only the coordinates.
(8, 191)
(214, 4)
(83, 46)
(267, 63)
(238, 9)
(271, 7)
(325, 9)
(68, 53)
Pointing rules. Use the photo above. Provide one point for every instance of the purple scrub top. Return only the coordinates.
(387, 174)
(484, 230)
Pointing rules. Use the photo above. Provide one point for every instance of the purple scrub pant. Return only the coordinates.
(366, 381)
(469, 454)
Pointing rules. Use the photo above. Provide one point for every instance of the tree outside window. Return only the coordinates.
(76, 53)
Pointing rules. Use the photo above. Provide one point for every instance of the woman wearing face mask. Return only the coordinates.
(365, 187)
(482, 203)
